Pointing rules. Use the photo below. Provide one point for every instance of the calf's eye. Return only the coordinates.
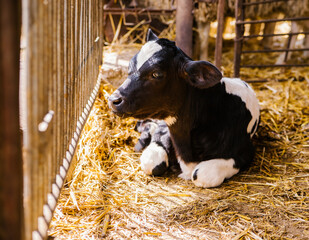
(156, 74)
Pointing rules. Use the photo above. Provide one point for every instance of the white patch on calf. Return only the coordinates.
(153, 156)
(212, 173)
(146, 52)
(170, 120)
(186, 169)
(238, 87)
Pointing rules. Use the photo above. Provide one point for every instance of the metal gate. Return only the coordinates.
(241, 21)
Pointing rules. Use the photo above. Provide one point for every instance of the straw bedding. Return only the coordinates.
(110, 197)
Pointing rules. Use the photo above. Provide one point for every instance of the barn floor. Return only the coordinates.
(269, 201)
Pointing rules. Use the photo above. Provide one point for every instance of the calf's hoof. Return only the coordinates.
(213, 172)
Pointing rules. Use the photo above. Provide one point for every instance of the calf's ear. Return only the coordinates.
(202, 74)
(151, 36)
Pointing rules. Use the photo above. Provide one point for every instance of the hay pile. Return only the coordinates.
(110, 197)
(269, 201)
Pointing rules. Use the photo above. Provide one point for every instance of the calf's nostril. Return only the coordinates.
(117, 101)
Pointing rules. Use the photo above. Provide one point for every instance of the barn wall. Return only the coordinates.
(63, 51)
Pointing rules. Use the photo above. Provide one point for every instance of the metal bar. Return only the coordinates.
(208, 1)
(141, 11)
(265, 80)
(288, 47)
(219, 38)
(275, 35)
(271, 20)
(262, 2)
(239, 29)
(276, 50)
(274, 65)
(184, 23)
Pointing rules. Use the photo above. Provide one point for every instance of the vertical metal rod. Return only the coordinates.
(239, 29)
(219, 39)
(288, 47)
(184, 22)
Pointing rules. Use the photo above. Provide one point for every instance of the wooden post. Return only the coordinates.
(10, 138)
(184, 23)
(219, 39)
(239, 28)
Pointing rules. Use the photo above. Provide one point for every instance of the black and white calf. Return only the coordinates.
(155, 142)
(211, 119)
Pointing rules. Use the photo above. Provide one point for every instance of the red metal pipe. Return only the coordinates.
(184, 22)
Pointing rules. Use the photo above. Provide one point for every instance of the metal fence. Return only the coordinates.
(241, 21)
(63, 40)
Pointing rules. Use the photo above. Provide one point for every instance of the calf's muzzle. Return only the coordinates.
(115, 100)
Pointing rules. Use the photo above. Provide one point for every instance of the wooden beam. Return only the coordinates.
(11, 178)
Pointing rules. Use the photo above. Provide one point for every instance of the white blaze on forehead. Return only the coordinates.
(238, 87)
(147, 51)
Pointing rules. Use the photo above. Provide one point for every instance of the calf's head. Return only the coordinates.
(159, 77)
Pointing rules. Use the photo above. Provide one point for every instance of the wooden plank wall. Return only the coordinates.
(62, 57)
(10, 142)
